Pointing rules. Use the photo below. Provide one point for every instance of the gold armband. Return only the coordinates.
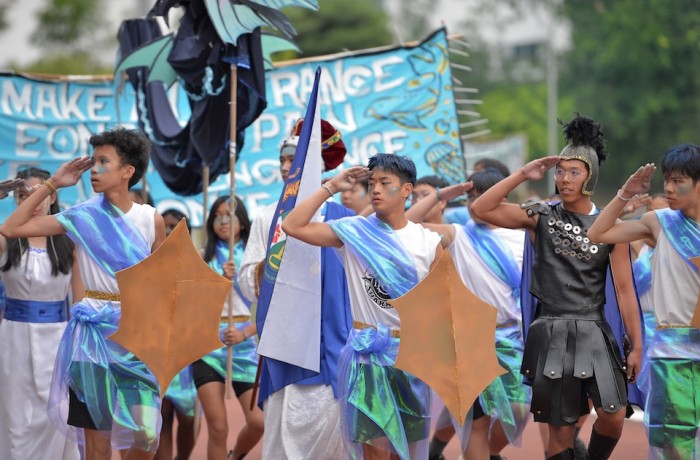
(50, 186)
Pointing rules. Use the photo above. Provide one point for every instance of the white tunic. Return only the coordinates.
(27, 354)
(368, 300)
(479, 278)
(255, 250)
(675, 287)
(301, 421)
(94, 277)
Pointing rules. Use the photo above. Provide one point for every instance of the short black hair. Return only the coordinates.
(364, 183)
(485, 179)
(433, 181)
(486, 163)
(178, 215)
(132, 146)
(395, 164)
(683, 159)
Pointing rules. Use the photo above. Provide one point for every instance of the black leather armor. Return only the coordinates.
(569, 270)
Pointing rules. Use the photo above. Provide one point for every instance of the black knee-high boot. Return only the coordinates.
(600, 447)
(567, 454)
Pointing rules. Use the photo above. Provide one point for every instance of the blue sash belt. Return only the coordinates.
(35, 311)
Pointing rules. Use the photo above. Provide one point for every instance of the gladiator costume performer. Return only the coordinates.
(573, 328)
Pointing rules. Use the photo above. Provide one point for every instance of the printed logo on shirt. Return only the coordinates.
(375, 291)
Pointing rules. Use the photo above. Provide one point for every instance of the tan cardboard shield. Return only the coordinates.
(448, 338)
(171, 307)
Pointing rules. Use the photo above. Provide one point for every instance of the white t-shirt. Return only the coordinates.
(479, 278)
(368, 301)
(93, 276)
(675, 285)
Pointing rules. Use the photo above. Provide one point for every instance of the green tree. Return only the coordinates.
(415, 22)
(511, 103)
(340, 26)
(521, 109)
(66, 24)
(4, 5)
(71, 33)
(635, 67)
(77, 63)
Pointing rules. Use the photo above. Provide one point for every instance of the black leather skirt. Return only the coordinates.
(570, 357)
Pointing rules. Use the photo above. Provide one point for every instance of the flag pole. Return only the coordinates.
(232, 209)
(205, 195)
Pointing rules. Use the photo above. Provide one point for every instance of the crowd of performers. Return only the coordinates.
(570, 332)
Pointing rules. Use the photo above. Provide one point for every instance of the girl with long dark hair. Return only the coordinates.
(38, 276)
(210, 371)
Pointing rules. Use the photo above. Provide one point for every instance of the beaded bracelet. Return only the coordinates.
(328, 189)
(623, 199)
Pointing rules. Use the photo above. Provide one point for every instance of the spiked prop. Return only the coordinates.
(448, 338)
(171, 307)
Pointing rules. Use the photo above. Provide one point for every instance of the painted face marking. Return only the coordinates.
(222, 219)
(100, 170)
(684, 189)
(394, 190)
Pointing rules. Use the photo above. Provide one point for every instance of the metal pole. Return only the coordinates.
(552, 97)
(232, 210)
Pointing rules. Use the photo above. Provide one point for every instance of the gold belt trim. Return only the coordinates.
(360, 325)
(672, 326)
(102, 296)
(236, 319)
(509, 323)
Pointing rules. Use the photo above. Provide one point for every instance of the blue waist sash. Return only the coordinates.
(35, 311)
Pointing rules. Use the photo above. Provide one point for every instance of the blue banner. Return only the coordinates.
(397, 100)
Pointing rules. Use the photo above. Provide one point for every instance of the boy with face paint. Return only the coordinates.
(99, 391)
(671, 374)
(571, 352)
(385, 255)
(302, 419)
